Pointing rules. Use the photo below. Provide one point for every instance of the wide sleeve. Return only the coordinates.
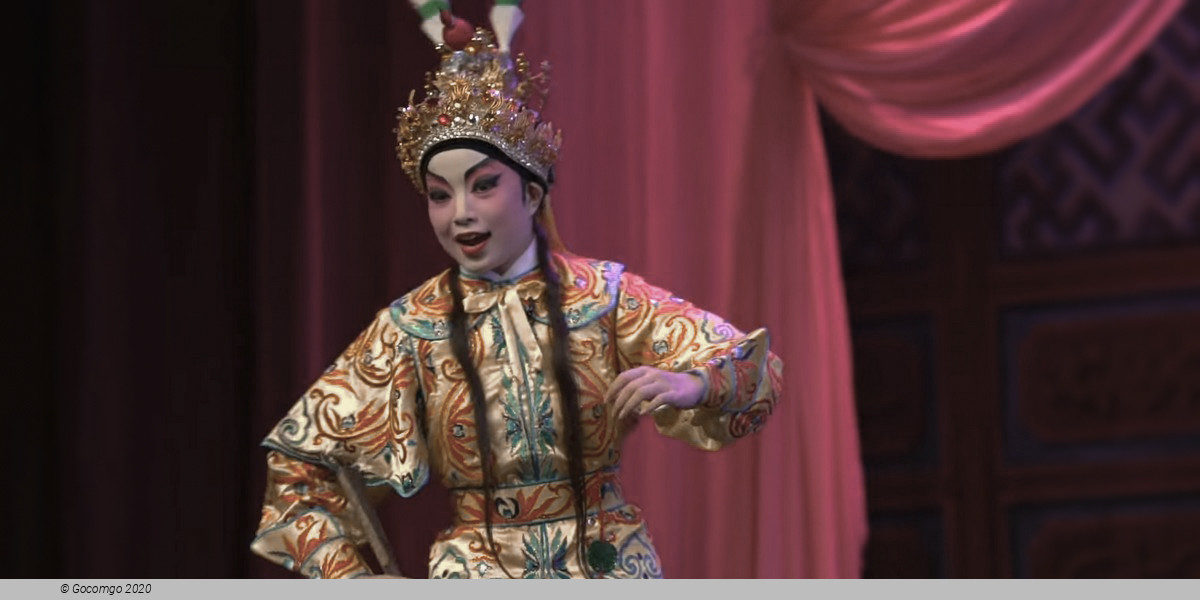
(362, 412)
(742, 376)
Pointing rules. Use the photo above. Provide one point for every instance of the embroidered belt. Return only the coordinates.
(537, 502)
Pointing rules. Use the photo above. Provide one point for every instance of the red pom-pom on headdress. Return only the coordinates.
(456, 31)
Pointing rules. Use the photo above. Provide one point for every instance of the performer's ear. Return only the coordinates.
(534, 194)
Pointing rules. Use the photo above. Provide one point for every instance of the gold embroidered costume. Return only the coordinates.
(395, 404)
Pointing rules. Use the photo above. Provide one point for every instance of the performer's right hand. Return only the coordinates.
(643, 389)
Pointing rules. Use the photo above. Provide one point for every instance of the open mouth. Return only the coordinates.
(472, 242)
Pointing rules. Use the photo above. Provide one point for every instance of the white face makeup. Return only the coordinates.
(481, 215)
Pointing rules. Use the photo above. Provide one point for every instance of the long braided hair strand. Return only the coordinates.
(568, 393)
(568, 390)
(462, 353)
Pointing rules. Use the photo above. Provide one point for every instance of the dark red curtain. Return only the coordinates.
(338, 230)
(208, 211)
(134, 373)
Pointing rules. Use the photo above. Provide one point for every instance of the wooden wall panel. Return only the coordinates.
(1027, 338)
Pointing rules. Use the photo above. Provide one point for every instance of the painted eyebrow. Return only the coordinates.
(479, 165)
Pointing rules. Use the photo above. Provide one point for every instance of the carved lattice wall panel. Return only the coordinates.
(882, 215)
(1125, 539)
(894, 390)
(1122, 172)
(1102, 381)
(1027, 338)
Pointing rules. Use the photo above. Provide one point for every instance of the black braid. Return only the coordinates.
(462, 352)
(568, 391)
(567, 386)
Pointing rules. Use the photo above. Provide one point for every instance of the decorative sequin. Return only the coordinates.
(455, 99)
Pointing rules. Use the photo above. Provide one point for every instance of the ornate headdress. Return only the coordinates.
(480, 93)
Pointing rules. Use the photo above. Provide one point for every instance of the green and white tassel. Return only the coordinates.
(430, 23)
(506, 17)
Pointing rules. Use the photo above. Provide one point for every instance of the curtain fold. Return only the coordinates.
(960, 77)
(670, 97)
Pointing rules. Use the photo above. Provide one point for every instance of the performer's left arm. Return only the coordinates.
(704, 381)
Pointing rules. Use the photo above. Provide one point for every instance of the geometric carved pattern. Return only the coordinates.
(1145, 545)
(1124, 171)
(1086, 380)
(882, 221)
(892, 374)
(1102, 380)
(1111, 378)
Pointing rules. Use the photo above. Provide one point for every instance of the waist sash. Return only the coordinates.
(537, 502)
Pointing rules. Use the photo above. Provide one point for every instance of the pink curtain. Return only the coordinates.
(693, 154)
(959, 77)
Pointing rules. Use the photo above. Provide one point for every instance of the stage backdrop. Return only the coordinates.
(692, 153)
(223, 214)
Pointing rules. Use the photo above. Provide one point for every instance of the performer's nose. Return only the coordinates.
(464, 213)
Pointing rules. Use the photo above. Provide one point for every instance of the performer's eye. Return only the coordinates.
(438, 196)
(484, 184)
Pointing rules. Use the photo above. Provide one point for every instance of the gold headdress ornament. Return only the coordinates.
(480, 93)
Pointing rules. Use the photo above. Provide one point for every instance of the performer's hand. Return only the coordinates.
(643, 389)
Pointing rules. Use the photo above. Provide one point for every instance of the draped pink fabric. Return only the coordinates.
(693, 154)
(959, 77)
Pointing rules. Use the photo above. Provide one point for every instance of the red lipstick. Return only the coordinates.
(473, 243)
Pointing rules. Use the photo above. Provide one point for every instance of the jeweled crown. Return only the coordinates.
(480, 93)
